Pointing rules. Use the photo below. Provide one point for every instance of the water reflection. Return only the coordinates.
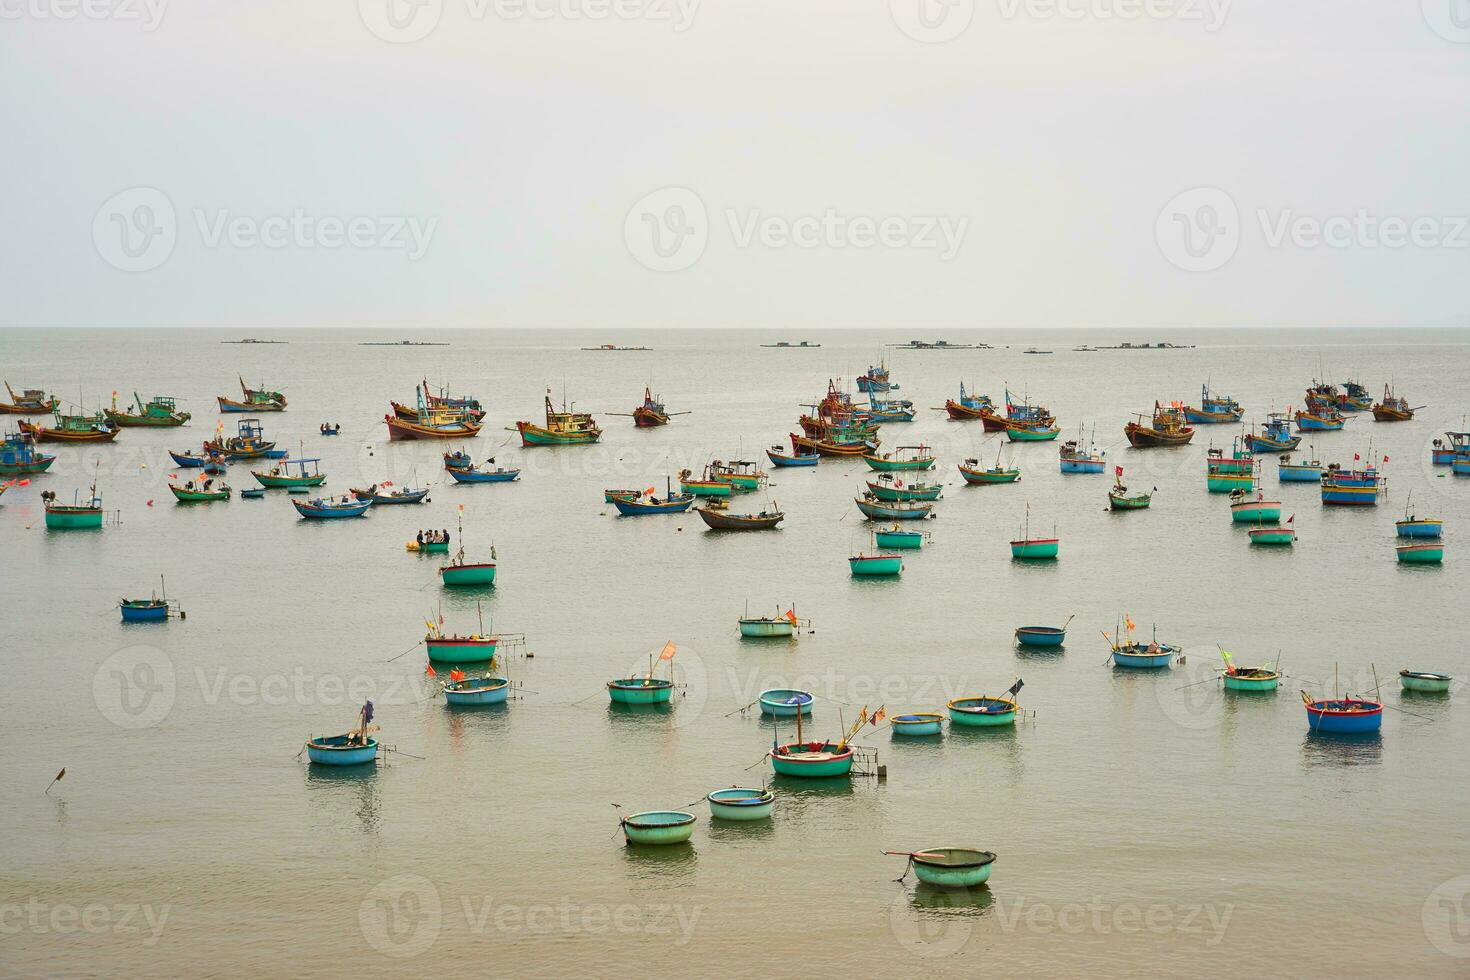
(1342, 749)
(735, 831)
(667, 862)
(1039, 654)
(938, 900)
(336, 787)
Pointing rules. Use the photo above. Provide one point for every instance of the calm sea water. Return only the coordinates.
(1142, 819)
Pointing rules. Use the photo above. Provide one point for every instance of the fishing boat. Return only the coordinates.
(876, 564)
(705, 486)
(468, 472)
(18, 456)
(448, 648)
(203, 491)
(1247, 507)
(1352, 488)
(155, 609)
(1034, 548)
(904, 458)
(80, 513)
(1077, 457)
(256, 400)
(1309, 471)
(468, 404)
(253, 493)
(429, 422)
(979, 711)
(651, 413)
(741, 804)
(458, 459)
(161, 411)
(1347, 715)
(784, 703)
(742, 474)
(31, 401)
(890, 487)
(719, 519)
(1213, 409)
(1042, 636)
(917, 724)
(877, 379)
(1421, 553)
(1274, 534)
(974, 475)
(564, 428)
(951, 867)
(779, 457)
(330, 430)
(1319, 420)
(880, 410)
(1166, 428)
(1393, 408)
(191, 460)
(72, 428)
(641, 506)
(476, 691)
(1354, 397)
(1417, 527)
(1460, 464)
(291, 473)
(899, 537)
(1249, 679)
(782, 625)
(877, 510)
(429, 543)
(1128, 652)
(1035, 422)
(658, 827)
(460, 572)
(355, 748)
(1275, 436)
(1444, 450)
(249, 442)
(1224, 474)
(379, 494)
(825, 447)
(1120, 499)
(813, 759)
(1424, 682)
(329, 508)
(608, 496)
(968, 406)
(1032, 431)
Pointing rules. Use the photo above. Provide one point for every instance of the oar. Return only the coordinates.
(59, 776)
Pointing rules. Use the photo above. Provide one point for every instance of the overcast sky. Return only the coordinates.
(925, 163)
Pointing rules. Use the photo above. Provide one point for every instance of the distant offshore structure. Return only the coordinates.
(797, 346)
(252, 340)
(403, 343)
(616, 347)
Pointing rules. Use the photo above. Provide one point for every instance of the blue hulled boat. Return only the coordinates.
(355, 748)
(1307, 472)
(1444, 450)
(1213, 409)
(1359, 487)
(779, 457)
(1275, 436)
(327, 508)
(1347, 715)
(477, 690)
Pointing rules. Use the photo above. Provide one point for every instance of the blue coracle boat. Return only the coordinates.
(784, 703)
(477, 690)
(355, 748)
(1348, 715)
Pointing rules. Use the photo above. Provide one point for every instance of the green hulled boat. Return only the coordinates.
(1425, 553)
(897, 537)
(77, 515)
(205, 490)
(290, 473)
(1424, 682)
(161, 411)
(1248, 678)
(901, 459)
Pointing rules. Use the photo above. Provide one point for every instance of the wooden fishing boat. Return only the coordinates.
(1421, 553)
(919, 723)
(889, 487)
(876, 510)
(899, 537)
(355, 748)
(1166, 428)
(1393, 408)
(742, 474)
(974, 475)
(1251, 679)
(1213, 409)
(979, 711)
(670, 503)
(877, 379)
(1036, 419)
(1253, 508)
(31, 401)
(741, 803)
(1077, 457)
(1275, 436)
(1352, 488)
(18, 456)
(253, 493)
(203, 491)
(1444, 450)
(779, 457)
(72, 428)
(658, 827)
(822, 447)
(398, 495)
(249, 442)
(564, 428)
(651, 413)
(883, 410)
(782, 625)
(953, 867)
(1347, 715)
(460, 572)
(1018, 431)
(79, 514)
(470, 473)
(904, 458)
(721, 520)
(256, 400)
(1354, 397)
(476, 691)
(160, 412)
(878, 564)
(608, 496)
(1307, 472)
(1283, 534)
(706, 486)
(447, 648)
(329, 508)
(1319, 420)
(1120, 499)
(783, 702)
(1424, 682)
(440, 425)
(968, 407)
(467, 404)
(281, 476)
(1041, 636)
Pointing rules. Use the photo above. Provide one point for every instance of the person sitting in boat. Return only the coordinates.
(444, 536)
(420, 538)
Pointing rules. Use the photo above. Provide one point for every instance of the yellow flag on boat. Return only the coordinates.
(429, 625)
(1226, 656)
(1128, 622)
(878, 716)
(669, 651)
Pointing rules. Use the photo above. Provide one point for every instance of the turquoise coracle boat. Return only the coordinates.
(1424, 682)
(342, 750)
(812, 760)
(658, 827)
(740, 803)
(982, 712)
(783, 703)
(875, 564)
(919, 723)
(897, 537)
(640, 690)
(950, 867)
(477, 690)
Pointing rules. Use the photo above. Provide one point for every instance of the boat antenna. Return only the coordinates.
(1377, 694)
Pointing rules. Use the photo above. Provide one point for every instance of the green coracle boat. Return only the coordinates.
(982, 712)
(640, 690)
(780, 625)
(192, 493)
(1031, 431)
(1226, 482)
(1248, 678)
(950, 867)
(1427, 553)
(74, 516)
(658, 827)
(1424, 682)
(897, 537)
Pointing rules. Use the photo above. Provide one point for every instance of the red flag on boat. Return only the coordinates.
(456, 674)
(791, 616)
(150, 503)
(669, 651)
(1117, 471)
(429, 670)
(1385, 459)
(1291, 518)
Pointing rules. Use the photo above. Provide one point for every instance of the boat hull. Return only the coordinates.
(639, 690)
(721, 521)
(629, 507)
(482, 476)
(917, 725)
(740, 804)
(660, 827)
(228, 407)
(983, 477)
(198, 496)
(982, 712)
(777, 459)
(465, 650)
(1322, 718)
(315, 513)
(887, 492)
(1424, 683)
(875, 565)
(149, 613)
(1272, 535)
(1421, 554)
(1026, 433)
(1267, 444)
(286, 482)
(775, 703)
(1040, 636)
(1078, 464)
(1234, 682)
(767, 627)
(535, 435)
(899, 465)
(1142, 437)
(1256, 512)
(882, 512)
(705, 488)
(1344, 496)
(402, 430)
(1315, 423)
(73, 518)
(1142, 660)
(336, 752)
(1122, 502)
(1226, 482)
(827, 762)
(1418, 529)
(904, 540)
(1037, 548)
(471, 574)
(953, 867)
(1298, 473)
(481, 690)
